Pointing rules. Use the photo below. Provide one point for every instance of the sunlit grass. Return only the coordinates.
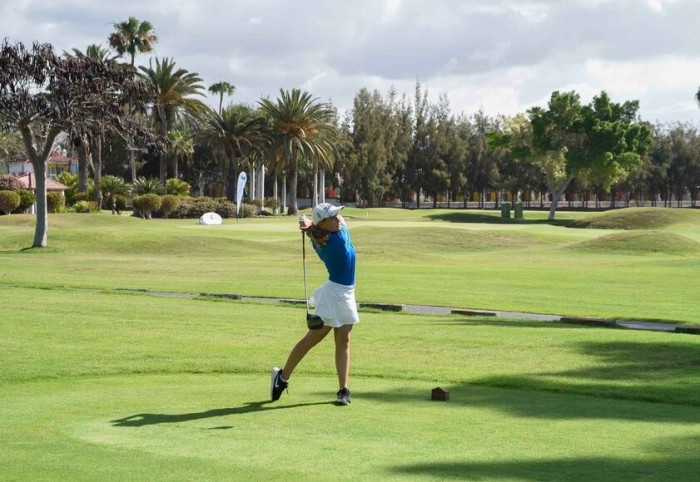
(404, 256)
(123, 386)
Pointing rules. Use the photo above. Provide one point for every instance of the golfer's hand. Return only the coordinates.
(305, 224)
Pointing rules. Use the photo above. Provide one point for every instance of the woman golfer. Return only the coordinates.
(334, 300)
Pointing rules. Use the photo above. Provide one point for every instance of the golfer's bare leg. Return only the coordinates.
(310, 340)
(342, 354)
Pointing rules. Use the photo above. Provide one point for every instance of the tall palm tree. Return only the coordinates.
(236, 132)
(222, 88)
(90, 145)
(132, 37)
(171, 89)
(302, 127)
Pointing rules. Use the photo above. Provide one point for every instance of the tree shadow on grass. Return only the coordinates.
(471, 217)
(617, 384)
(664, 467)
(647, 372)
(142, 419)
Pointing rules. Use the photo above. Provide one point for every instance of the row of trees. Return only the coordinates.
(153, 109)
(150, 120)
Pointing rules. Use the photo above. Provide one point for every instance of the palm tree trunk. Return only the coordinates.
(132, 162)
(83, 153)
(262, 184)
(252, 190)
(231, 179)
(314, 200)
(323, 185)
(97, 159)
(163, 165)
(284, 193)
(293, 207)
(274, 192)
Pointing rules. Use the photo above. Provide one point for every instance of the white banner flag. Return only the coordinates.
(242, 179)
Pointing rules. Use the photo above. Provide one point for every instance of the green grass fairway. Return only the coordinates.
(460, 259)
(132, 387)
(101, 381)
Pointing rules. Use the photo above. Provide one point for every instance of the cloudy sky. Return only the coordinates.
(500, 56)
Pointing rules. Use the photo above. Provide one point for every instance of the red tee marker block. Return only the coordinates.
(440, 394)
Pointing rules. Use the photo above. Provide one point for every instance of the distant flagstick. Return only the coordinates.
(242, 179)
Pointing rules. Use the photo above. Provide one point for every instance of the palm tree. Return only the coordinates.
(94, 52)
(90, 145)
(222, 88)
(181, 147)
(113, 186)
(303, 128)
(133, 36)
(236, 132)
(170, 90)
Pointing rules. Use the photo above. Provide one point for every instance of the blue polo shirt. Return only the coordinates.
(338, 254)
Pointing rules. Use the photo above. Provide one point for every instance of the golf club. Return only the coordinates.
(314, 322)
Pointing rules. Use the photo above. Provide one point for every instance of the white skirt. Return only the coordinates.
(335, 303)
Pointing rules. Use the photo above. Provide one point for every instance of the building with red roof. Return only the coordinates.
(57, 163)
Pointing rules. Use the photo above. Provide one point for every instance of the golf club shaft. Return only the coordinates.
(303, 260)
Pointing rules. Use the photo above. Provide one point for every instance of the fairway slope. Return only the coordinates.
(404, 243)
(640, 242)
(638, 218)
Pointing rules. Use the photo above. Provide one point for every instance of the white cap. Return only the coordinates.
(325, 210)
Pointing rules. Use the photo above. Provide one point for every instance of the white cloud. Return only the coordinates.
(638, 78)
(499, 55)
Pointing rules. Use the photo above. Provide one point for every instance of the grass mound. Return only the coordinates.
(641, 242)
(393, 243)
(637, 218)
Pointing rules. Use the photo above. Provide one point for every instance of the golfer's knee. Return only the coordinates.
(342, 340)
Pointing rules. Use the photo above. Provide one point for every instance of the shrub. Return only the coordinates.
(79, 197)
(86, 207)
(55, 202)
(9, 201)
(27, 198)
(256, 202)
(249, 210)
(195, 207)
(113, 187)
(169, 203)
(146, 204)
(120, 203)
(177, 187)
(272, 203)
(225, 208)
(143, 186)
(9, 182)
(71, 182)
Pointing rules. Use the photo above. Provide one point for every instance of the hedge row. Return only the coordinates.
(195, 207)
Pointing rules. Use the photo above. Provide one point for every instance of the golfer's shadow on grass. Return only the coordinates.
(142, 419)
